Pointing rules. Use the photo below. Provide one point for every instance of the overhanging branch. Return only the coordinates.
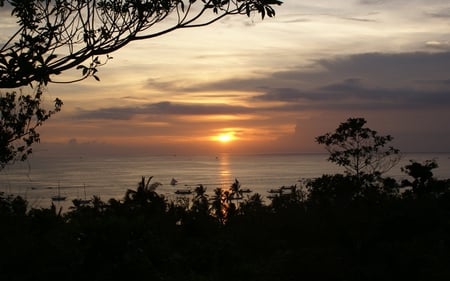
(79, 30)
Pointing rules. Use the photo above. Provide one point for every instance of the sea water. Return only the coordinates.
(40, 178)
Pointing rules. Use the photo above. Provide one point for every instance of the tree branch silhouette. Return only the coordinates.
(55, 36)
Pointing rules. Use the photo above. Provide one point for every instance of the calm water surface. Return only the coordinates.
(38, 179)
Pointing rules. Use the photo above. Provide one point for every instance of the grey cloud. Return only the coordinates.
(111, 113)
(236, 84)
(406, 64)
(161, 85)
(134, 98)
(383, 69)
(193, 109)
(160, 109)
(284, 95)
(296, 20)
(441, 13)
(348, 85)
(398, 97)
(344, 17)
(352, 93)
(372, 2)
(358, 19)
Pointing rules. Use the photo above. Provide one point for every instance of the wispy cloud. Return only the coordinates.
(165, 108)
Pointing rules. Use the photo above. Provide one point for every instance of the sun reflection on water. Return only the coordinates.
(224, 169)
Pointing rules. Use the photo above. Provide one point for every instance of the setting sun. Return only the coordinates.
(224, 137)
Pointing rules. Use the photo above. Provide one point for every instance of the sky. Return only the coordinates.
(246, 85)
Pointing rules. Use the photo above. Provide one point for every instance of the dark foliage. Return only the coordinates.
(20, 116)
(340, 228)
(360, 150)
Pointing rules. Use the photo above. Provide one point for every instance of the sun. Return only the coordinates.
(224, 138)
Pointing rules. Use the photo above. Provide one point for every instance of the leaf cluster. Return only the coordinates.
(20, 116)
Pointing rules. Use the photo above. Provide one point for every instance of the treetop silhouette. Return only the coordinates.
(360, 150)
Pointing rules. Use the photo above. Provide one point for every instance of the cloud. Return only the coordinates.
(372, 2)
(295, 19)
(438, 45)
(164, 108)
(372, 80)
(358, 19)
(352, 94)
(443, 13)
(364, 81)
(390, 66)
(399, 70)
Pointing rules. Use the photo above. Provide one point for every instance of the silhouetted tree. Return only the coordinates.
(219, 205)
(421, 173)
(333, 190)
(289, 197)
(358, 149)
(236, 191)
(252, 204)
(200, 203)
(145, 196)
(20, 116)
(424, 182)
(12, 205)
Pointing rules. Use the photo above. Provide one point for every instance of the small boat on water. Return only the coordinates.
(59, 197)
(183, 192)
(80, 201)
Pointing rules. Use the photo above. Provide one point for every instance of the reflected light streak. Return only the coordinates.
(224, 169)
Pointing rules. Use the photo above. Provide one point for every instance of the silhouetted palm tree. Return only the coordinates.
(200, 202)
(219, 205)
(236, 191)
(144, 193)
